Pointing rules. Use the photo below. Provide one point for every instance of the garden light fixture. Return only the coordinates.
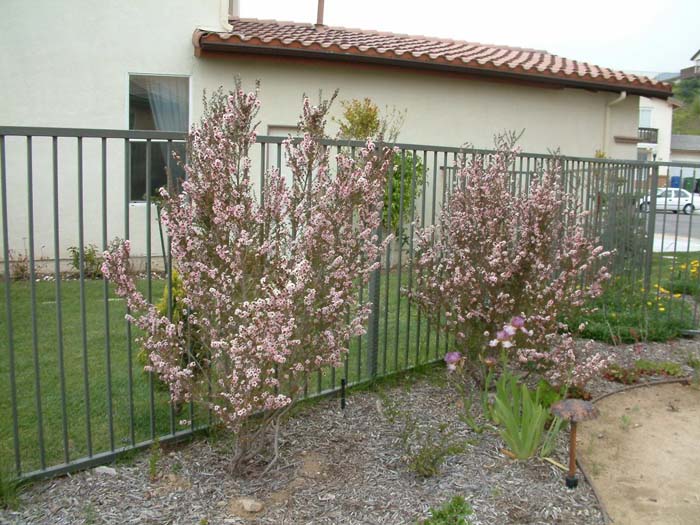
(574, 410)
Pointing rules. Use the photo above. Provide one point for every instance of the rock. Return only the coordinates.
(106, 470)
(251, 505)
(247, 505)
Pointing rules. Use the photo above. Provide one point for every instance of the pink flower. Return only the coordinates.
(452, 358)
(517, 322)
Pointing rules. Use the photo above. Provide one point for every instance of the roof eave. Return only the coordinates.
(236, 47)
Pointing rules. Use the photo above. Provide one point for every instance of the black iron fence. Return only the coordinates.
(74, 393)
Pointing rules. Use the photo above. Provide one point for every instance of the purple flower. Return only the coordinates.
(452, 358)
(501, 335)
(517, 322)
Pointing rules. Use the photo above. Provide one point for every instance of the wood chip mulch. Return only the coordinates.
(336, 468)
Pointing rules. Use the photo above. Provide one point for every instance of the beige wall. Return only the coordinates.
(685, 156)
(66, 64)
(441, 109)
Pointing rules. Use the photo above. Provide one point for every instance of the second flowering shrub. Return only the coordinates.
(495, 253)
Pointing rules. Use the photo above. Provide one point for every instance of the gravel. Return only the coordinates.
(336, 468)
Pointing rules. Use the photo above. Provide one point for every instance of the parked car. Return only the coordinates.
(671, 199)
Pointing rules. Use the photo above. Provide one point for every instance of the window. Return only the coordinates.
(156, 103)
(644, 117)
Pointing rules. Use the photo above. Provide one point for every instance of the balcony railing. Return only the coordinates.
(648, 135)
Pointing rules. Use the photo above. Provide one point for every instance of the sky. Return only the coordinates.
(633, 36)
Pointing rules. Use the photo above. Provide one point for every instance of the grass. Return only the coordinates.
(402, 344)
(626, 313)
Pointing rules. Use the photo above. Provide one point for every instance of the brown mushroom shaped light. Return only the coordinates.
(574, 410)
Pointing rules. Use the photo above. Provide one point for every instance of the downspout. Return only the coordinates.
(227, 9)
(606, 123)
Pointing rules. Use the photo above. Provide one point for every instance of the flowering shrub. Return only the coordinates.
(268, 285)
(494, 253)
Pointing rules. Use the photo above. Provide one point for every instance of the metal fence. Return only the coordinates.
(74, 393)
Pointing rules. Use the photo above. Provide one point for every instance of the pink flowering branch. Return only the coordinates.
(269, 285)
(495, 253)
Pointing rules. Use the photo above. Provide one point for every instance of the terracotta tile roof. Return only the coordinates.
(337, 43)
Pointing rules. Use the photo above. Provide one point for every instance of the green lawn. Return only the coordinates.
(403, 342)
(400, 346)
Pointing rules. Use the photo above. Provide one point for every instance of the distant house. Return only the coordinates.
(129, 64)
(694, 70)
(686, 148)
(655, 128)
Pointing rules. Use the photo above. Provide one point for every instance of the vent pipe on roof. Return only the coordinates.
(319, 13)
(234, 8)
(228, 9)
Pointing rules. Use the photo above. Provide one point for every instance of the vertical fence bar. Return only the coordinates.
(129, 349)
(433, 212)
(149, 283)
(414, 163)
(399, 263)
(170, 184)
(83, 306)
(59, 303)
(693, 203)
(422, 224)
(8, 307)
(32, 292)
(105, 289)
(373, 332)
(651, 225)
(262, 173)
(387, 284)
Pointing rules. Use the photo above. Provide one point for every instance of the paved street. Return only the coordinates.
(685, 227)
(666, 223)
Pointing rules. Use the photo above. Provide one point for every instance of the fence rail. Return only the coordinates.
(74, 393)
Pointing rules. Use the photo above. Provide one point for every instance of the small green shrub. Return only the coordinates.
(523, 417)
(619, 374)
(424, 451)
(153, 460)
(666, 368)
(92, 261)
(694, 363)
(19, 266)
(178, 314)
(467, 415)
(397, 213)
(454, 512)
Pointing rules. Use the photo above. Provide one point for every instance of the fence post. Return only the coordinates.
(373, 329)
(651, 227)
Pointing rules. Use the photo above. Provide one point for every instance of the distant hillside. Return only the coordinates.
(686, 120)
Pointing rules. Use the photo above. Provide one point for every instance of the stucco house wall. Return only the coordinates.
(67, 64)
(441, 109)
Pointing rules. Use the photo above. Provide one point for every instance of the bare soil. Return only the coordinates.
(643, 455)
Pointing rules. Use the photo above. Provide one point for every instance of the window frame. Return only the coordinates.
(127, 108)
